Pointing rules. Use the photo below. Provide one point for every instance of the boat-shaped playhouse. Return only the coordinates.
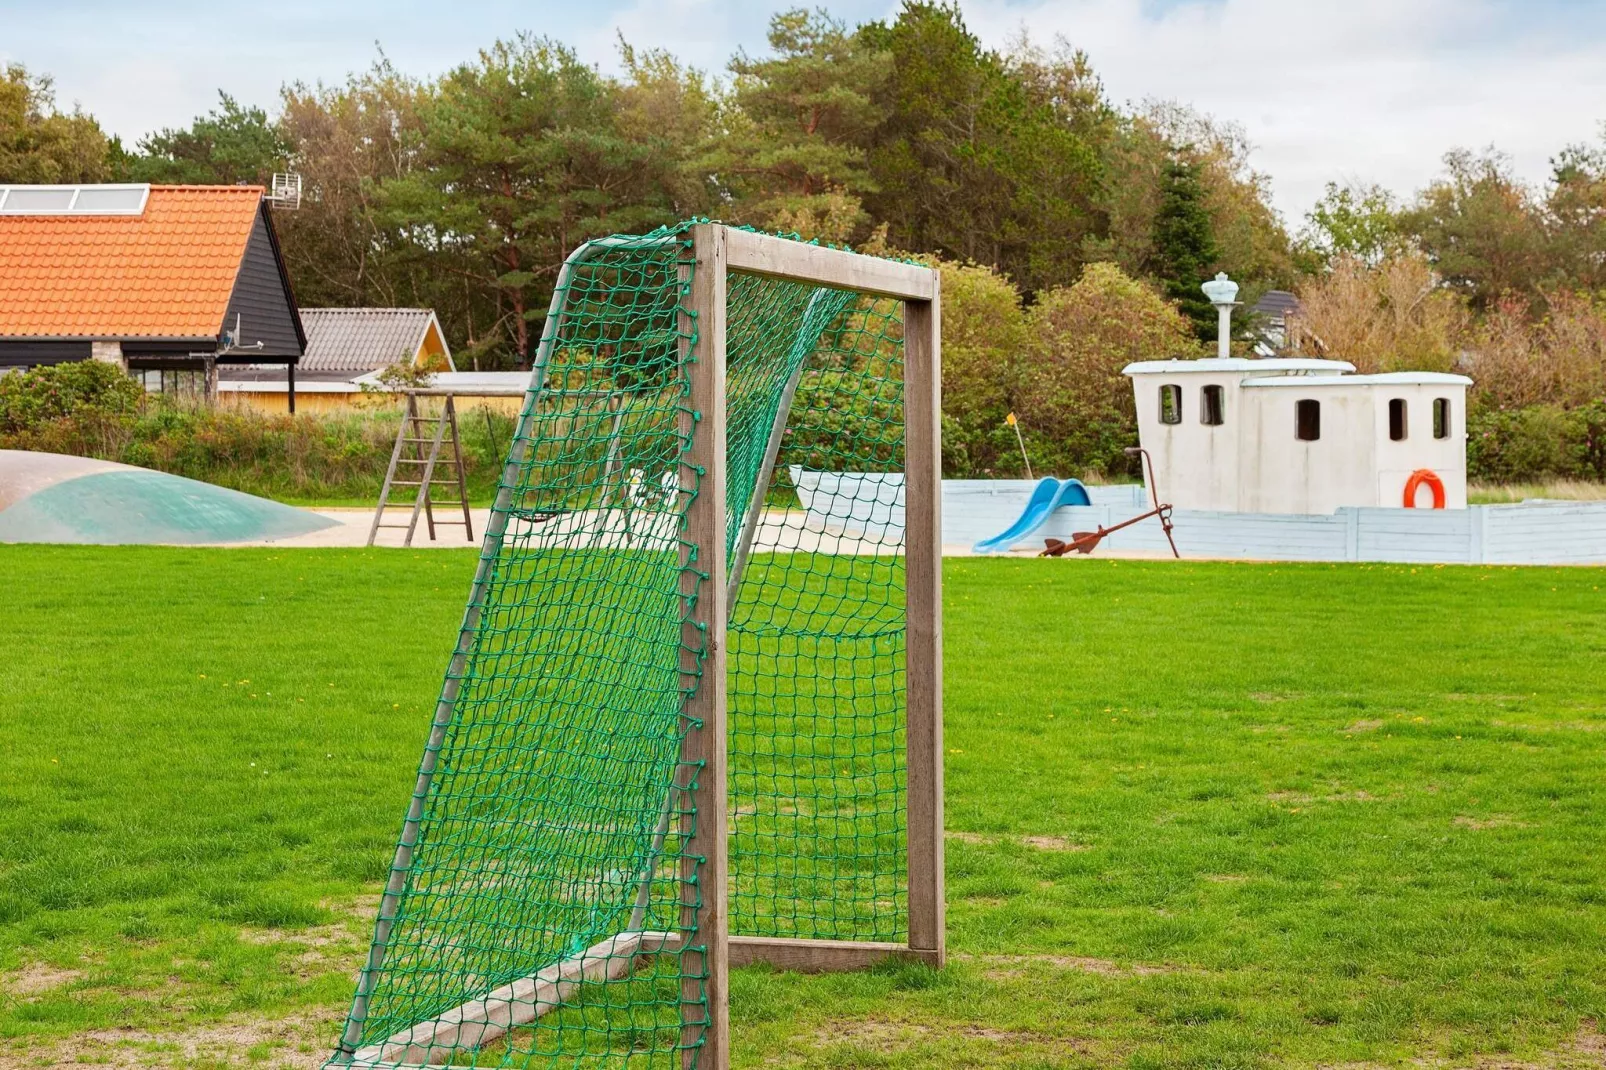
(1288, 459)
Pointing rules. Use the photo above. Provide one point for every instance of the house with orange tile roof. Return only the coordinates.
(167, 282)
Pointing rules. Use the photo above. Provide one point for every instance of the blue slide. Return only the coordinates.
(1047, 496)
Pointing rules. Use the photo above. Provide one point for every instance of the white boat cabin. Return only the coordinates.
(1295, 435)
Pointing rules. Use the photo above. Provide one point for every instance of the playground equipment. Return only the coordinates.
(1049, 494)
(53, 497)
(429, 454)
(646, 764)
(1083, 542)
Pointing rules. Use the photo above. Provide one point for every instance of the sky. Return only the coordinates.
(1365, 91)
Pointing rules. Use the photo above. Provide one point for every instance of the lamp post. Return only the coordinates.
(1223, 293)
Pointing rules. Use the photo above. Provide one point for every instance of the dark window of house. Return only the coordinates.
(1210, 406)
(1441, 417)
(1397, 420)
(1308, 420)
(1171, 404)
(177, 382)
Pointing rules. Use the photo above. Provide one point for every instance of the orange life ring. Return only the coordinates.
(1435, 484)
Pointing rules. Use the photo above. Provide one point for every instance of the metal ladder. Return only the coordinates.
(410, 457)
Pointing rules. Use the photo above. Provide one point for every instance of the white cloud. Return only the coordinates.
(1339, 90)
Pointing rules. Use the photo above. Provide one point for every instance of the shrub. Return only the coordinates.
(983, 351)
(1074, 402)
(1390, 316)
(312, 455)
(31, 399)
(1519, 360)
(1535, 443)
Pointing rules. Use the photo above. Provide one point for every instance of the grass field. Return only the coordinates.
(1200, 815)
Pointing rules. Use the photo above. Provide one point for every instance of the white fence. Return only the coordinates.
(1529, 533)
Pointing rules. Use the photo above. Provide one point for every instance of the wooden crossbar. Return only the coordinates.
(480, 1021)
(762, 254)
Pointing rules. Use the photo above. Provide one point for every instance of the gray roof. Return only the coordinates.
(1273, 303)
(361, 339)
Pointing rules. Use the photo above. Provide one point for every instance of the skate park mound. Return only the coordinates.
(51, 497)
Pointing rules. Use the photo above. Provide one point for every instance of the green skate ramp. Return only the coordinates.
(49, 497)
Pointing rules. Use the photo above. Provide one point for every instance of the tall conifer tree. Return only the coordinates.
(1185, 245)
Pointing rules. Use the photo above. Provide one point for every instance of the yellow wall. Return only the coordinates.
(276, 402)
(432, 351)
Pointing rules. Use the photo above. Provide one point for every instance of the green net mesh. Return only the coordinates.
(541, 910)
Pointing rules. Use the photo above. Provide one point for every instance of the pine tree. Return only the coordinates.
(1185, 245)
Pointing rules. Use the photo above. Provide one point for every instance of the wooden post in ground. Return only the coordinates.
(705, 1034)
(922, 408)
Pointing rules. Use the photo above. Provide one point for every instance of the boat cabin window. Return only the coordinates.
(1397, 420)
(1441, 417)
(1171, 404)
(1308, 420)
(1210, 406)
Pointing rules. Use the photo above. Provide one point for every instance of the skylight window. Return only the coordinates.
(73, 200)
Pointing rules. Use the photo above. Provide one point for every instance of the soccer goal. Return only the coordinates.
(693, 718)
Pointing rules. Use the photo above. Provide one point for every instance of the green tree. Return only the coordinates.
(523, 158)
(1250, 238)
(1482, 229)
(39, 143)
(1185, 244)
(1361, 222)
(974, 162)
(348, 142)
(1576, 207)
(228, 145)
(795, 152)
(672, 109)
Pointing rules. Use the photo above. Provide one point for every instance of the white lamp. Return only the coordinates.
(1223, 293)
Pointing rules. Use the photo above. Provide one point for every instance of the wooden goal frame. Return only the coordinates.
(718, 251)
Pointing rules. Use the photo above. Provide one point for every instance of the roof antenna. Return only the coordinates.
(1223, 293)
(231, 339)
(285, 190)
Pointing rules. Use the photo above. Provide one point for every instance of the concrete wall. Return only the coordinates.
(1527, 533)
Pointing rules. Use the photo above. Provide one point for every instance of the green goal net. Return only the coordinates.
(543, 906)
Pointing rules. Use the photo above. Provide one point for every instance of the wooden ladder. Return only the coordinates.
(411, 458)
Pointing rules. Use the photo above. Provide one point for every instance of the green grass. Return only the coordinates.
(1200, 815)
(1560, 489)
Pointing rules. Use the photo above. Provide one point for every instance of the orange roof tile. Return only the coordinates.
(167, 273)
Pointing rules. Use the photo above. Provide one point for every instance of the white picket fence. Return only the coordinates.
(1529, 533)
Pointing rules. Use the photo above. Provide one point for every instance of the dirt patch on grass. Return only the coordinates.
(364, 907)
(890, 1037)
(33, 979)
(1305, 798)
(260, 1043)
(968, 837)
(1369, 725)
(1002, 967)
(1040, 843)
(317, 936)
(1493, 821)
(1225, 878)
